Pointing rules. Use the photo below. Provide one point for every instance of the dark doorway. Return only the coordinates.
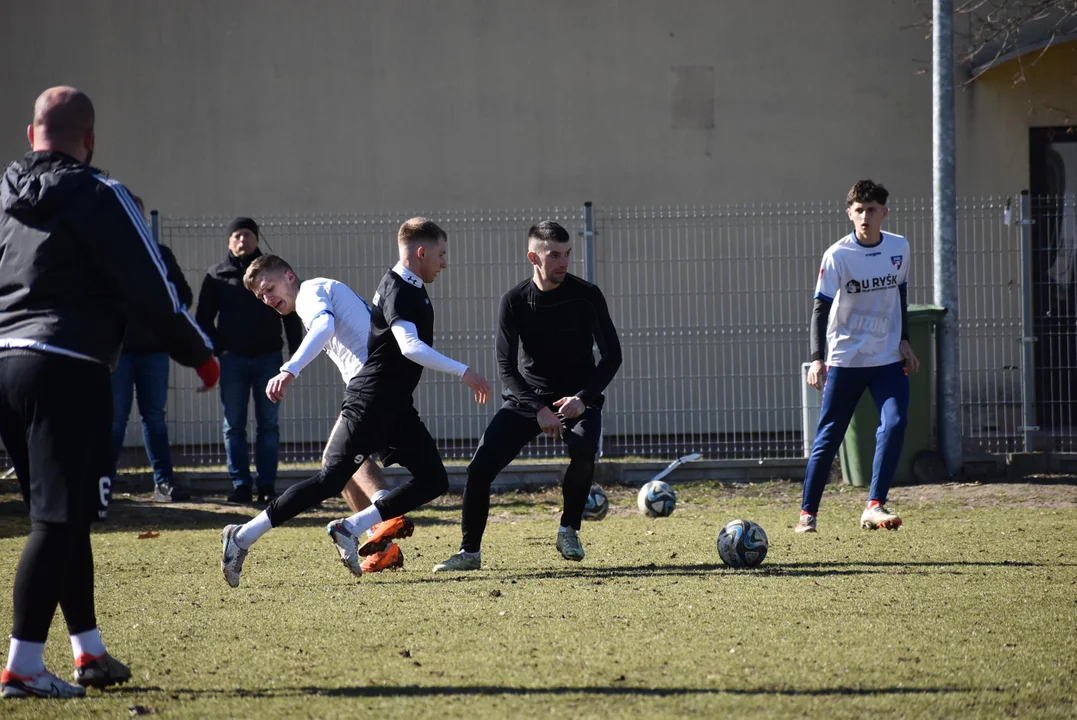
(1053, 169)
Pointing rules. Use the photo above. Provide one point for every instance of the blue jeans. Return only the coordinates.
(889, 386)
(240, 378)
(144, 374)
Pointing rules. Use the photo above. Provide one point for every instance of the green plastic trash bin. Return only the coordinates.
(858, 449)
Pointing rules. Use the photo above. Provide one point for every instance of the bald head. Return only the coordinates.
(63, 121)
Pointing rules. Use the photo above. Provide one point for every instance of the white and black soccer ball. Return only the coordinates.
(656, 499)
(742, 544)
(598, 504)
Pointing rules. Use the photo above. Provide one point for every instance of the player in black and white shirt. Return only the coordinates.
(337, 321)
(548, 326)
(861, 310)
(378, 415)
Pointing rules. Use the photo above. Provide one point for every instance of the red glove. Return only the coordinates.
(210, 372)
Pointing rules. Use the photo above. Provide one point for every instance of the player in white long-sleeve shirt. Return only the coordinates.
(377, 415)
(337, 321)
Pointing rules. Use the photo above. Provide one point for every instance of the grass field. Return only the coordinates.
(970, 610)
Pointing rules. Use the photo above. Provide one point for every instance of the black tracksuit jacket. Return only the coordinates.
(76, 259)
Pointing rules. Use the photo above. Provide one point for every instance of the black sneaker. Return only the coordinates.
(266, 495)
(170, 492)
(242, 494)
(101, 671)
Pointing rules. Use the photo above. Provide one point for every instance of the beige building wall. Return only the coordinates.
(999, 107)
(336, 106)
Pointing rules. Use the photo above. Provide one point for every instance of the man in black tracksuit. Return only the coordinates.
(555, 318)
(247, 336)
(143, 368)
(75, 258)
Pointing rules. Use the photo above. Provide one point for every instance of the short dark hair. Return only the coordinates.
(549, 231)
(264, 265)
(419, 229)
(865, 191)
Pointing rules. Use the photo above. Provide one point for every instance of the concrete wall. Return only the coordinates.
(216, 108)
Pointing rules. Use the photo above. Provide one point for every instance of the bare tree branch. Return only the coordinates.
(995, 28)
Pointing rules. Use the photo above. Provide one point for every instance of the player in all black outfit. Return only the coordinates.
(76, 260)
(555, 318)
(377, 415)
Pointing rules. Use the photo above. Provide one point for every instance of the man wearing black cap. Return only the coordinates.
(246, 336)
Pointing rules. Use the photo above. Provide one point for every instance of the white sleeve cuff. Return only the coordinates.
(321, 331)
(414, 349)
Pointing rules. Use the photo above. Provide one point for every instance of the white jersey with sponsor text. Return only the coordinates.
(862, 283)
(351, 321)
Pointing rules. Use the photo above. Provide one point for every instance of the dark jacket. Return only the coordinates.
(76, 258)
(141, 338)
(235, 319)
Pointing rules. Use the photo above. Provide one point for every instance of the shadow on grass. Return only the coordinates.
(610, 690)
(812, 569)
(127, 515)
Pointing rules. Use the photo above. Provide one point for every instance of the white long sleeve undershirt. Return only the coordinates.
(414, 349)
(317, 337)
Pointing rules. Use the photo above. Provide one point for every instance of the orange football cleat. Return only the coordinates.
(391, 558)
(385, 532)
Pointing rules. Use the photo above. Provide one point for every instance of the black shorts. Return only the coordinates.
(392, 431)
(56, 425)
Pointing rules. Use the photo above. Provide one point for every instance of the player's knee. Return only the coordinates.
(894, 421)
(583, 454)
(480, 476)
(440, 484)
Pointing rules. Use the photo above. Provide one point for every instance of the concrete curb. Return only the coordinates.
(522, 475)
(526, 475)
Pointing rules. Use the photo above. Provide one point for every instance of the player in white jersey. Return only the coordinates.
(337, 321)
(861, 305)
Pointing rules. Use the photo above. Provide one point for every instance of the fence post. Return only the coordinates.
(944, 227)
(155, 226)
(589, 240)
(1028, 385)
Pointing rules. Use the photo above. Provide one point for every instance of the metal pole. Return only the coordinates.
(1028, 386)
(155, 226)
(944, 225)
(589, 240)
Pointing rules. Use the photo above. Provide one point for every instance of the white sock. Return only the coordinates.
(363, 520)
(256, 528)
(26, 658)
(562, 529)
(465, 553)
(378, 495)
(87, 643)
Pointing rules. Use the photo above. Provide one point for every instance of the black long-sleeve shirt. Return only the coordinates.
(556, 331)
(235, 319)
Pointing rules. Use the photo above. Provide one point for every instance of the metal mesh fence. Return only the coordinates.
(712, 305)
